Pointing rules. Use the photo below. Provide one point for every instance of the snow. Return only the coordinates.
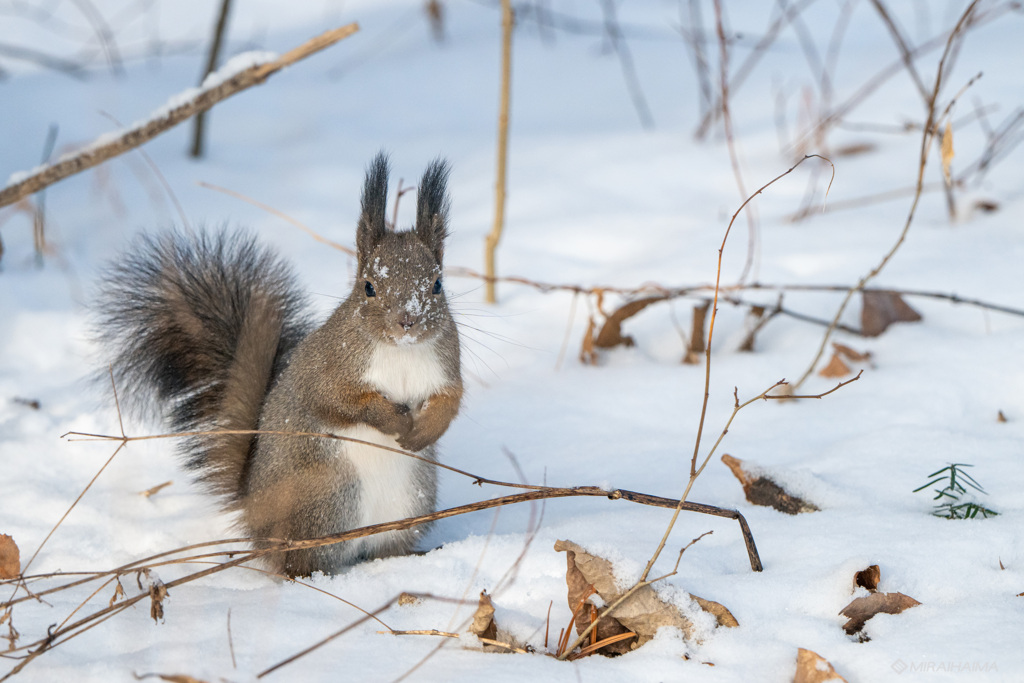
(594, 199)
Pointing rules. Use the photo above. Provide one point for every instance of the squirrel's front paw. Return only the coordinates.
(416, 440)
(399, 422)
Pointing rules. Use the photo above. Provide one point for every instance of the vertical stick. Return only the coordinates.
(39, 215)
(491, 243)
(211, 65)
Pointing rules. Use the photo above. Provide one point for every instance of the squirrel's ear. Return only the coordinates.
(371, 227)
(432, 207)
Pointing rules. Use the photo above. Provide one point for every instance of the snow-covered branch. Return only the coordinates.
(240, 73)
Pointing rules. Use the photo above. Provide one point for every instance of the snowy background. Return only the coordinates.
(595, 198)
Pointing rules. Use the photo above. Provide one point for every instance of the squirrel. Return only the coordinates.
(211, 331)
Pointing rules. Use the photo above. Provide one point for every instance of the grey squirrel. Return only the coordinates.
(210, 330)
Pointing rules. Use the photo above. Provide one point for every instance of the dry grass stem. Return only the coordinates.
(494, 236)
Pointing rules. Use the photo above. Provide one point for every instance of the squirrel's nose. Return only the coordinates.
(407, 321)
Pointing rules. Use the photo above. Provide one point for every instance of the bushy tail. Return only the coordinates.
(197, 327)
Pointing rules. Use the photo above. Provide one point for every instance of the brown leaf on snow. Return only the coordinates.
(868, 578)
(761, 490)
(986, 205)
(722, 615)
(835, 368)
(813, 668)
(405, 598)
(643, 613)
(483, 625)
(611, 332)
(10, 558)
(854, 149)
(881, 309)
(581, 587)
(862, 609)
(850, 354)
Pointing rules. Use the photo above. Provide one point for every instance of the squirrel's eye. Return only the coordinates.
(437, 286)
(370, 291)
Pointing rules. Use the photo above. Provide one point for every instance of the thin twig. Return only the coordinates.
(926, 140)
(283, 216)
(730, 140)
(668, 292)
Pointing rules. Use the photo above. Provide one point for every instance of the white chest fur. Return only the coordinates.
(388, 483)
(406, 373)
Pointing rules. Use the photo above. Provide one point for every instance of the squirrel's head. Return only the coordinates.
(398, 285)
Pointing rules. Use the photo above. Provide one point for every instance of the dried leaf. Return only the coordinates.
(1000, 417)
(483, 625)
(868, 578)
(643, 613)
(580, 588)
(850, 354)
(947, 153)
(835, 368)
(722, 615)
(881, 309)
(408, 599)
(986, 205)
(854, 149)
(10, 558)
(611, 332)
(813, 668)
(157, 593)
(118, 593)
(761, 490)
(862, 609)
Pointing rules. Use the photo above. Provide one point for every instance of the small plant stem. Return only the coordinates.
(494, 236)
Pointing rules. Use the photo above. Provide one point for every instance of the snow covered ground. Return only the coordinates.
(594, 199)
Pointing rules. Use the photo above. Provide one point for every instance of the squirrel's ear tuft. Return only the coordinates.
(372, 227)
(432, 207)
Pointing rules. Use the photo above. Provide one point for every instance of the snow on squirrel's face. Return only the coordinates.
(399, 291)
